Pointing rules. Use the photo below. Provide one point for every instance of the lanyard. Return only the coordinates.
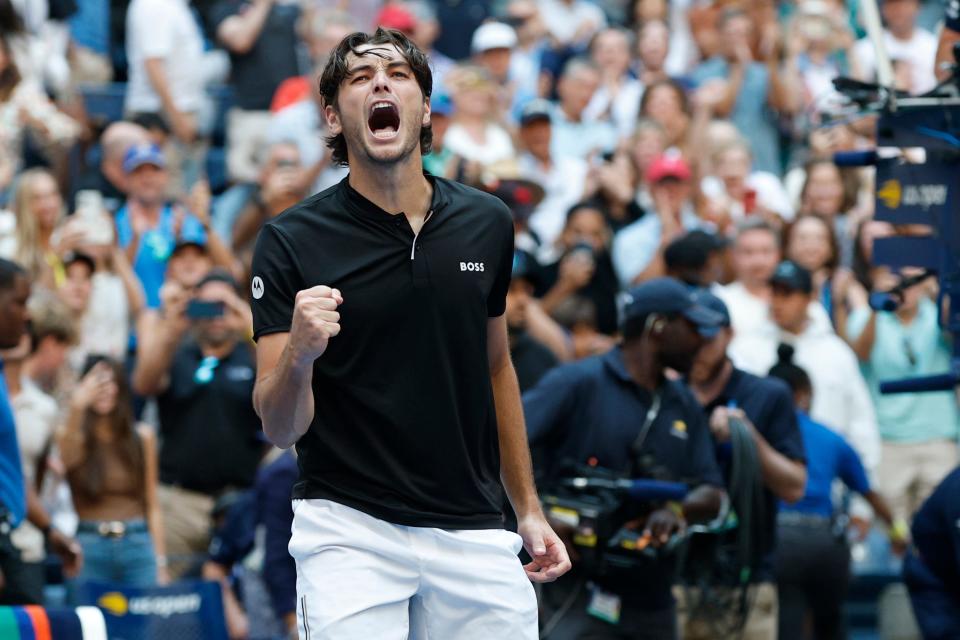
(647, 423)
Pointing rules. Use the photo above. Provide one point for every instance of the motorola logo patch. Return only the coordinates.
(256, 288)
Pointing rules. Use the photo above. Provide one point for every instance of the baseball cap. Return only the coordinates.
(441, 105)
(670, 296)
(791, 276)
(692, 249)
(668, 166)
(190, 240)
(141, 154)
(394, 16)
(706, 299)
(538, 110)
(493, 35)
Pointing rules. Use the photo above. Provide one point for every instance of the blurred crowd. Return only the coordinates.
(631, 139)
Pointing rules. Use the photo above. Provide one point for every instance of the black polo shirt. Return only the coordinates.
(768, 404)
(211, 437)
(404, 427)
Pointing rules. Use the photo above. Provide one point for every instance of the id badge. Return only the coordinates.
(604, 605)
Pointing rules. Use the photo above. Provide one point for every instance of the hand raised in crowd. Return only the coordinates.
(549, 558)
(93, 385)
(69, 550)
(238, 314)
(661, 524)
(576, 269)
(315, 321)
(198, 201)
(70, 235)
(173, 307)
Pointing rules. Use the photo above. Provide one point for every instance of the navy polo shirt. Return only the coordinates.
(768, 404)
(12, 496)
(593, 409)
(936, 533)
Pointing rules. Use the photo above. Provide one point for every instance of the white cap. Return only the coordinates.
(493, 35)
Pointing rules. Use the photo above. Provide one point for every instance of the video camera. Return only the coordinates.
(916, 193)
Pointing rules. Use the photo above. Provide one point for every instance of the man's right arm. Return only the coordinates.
(240, 31)
(283, 395)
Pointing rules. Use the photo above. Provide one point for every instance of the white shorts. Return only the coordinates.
(359, 577)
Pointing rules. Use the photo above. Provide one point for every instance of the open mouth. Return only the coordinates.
(384, 120)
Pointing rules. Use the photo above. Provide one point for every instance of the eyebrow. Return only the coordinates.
(368, 67)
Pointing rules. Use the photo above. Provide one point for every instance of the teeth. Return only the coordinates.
(382, 105)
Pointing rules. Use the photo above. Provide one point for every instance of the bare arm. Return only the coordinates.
(182, 124)
(159, 334)
(948, 37)
(863, 344)
(239, 32)
(283, 395)
(152, 504)
(136, 299)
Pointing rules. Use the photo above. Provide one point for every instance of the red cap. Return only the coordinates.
(394, 16)
(668, 166)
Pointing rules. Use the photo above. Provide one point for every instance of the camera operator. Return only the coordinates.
(616, 412)
(765, 407)
(194, 358)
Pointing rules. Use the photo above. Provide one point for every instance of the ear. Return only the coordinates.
(332, 119)
(426, 113)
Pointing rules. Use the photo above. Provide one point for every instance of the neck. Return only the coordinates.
(472, 120)
(148, 207)
(907, 314)
(798, 328)
(12, 370)
(708, 390)
(43, 237)
(642, 365)
(218, 351)
(396, 188)
(571, 116)
(30, 370)
(904, 33)
(758, 289)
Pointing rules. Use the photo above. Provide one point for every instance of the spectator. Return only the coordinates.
(810, 242)
(493, 45)
(841, 399)
(531, 358)
(905, 43)
(89, 52)
(426, 31)
(919, 430)
(14, 292)
(37, 417)
(475, 133)
(525, 63)
(148, 227)
(665, 102)
(441, 161)
(111, 180)
(831, 193)
(653, 45)
(583, 267)
(165, 58)
(571, 23)
(38, 210)
(201, 369)
(25, 107)
(696, 259)
(51, 339)
(753, 88)
(563, 177)
(111, 464)
(765, 408)
(638, 248)
(623, 182)
(573, 134)
(261, 37)
(740, 191)
(617, 99)
(813, 561)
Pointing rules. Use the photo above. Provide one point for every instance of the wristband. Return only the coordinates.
(899, 531)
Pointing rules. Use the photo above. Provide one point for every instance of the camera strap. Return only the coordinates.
(648, 421)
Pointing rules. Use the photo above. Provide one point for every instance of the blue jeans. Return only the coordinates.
(127, 561)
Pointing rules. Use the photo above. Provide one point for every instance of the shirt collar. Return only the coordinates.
(361, 206)
(613, 361)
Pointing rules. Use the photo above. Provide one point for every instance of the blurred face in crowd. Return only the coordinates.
(49, 357)
(387, 134)
(496, 62)
(106, 402)
(587, 226)
(788, 308)
(576, 88)
(823, 192)
(76, 287)
(148, 184)
(473, 95)
(528, 24)
(611, 51)
(678, 344)
(648, 143)
(900, 16)
(809, 244)
(735, 33)
(711, 357)
(44, 201)
(674, 191)
(653, 45)
(647, 10)
(188, 264)
(325, 39)
(664, 105)
(755, 257)
(425, 33)
(733, 168)
(518, 299)
(535, 137)
(220, 330)
(13, 311)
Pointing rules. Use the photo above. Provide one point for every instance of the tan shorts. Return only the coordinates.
(909, 472)
(186, 526)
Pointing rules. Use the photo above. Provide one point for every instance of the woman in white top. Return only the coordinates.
(475, 133)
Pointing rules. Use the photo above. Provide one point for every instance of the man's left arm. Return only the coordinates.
(549, 556)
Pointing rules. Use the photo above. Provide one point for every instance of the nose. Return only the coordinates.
(381, 81)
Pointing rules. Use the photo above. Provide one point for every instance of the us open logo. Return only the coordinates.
(256, 287)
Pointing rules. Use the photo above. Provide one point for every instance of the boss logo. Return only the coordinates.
(471, 266)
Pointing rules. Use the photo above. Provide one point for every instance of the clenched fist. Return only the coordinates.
(315, 321)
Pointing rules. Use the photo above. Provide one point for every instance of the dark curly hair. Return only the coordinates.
(336, 71)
